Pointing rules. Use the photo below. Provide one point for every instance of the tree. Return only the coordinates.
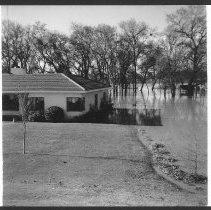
(24, 103)
(134, 33)
(82, 39)
(148, 66)
(125, 59)
(16, 46)
(104, 49)
(189, 24)
(54, 48)
(171, 61)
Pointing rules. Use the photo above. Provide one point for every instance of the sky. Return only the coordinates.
(60, 17)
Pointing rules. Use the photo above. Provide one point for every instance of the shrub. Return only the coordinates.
(36, 116)
(196, 178)
(157, 146)
(54, 114)
(106, 106)
(90, 117)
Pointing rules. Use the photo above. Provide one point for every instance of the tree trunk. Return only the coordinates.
(173, 90)
(122, 87)
(153, 86)
(142, 85)
(135, 78)
(125, 89)
(24, 138)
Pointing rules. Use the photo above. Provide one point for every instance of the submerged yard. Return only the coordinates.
(84, 164)
(184, 124)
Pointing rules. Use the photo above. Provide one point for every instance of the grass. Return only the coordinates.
(82, 165)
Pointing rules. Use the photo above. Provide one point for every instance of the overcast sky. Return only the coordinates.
(60, 17)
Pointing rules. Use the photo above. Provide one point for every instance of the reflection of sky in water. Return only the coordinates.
(182, 115)
(190, 109)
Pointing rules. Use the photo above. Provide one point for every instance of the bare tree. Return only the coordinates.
(82, 39)
(134, 33)
(104, 53)
(24, 103)
(16, 45)
(148, 66)
(171, 61)
(53, 49)
(125, 59)
(189, 24)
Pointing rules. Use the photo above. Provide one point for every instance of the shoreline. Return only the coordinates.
(157, 166)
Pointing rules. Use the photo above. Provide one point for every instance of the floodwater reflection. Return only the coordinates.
(148, 105)
(134, 116)
(182, 121)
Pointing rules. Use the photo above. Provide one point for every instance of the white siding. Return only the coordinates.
(90, 98)
(57, 99)
(60, 99)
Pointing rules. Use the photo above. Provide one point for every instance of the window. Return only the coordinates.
(37, 103)
(75, 104)
(10, 102)
(96, 100)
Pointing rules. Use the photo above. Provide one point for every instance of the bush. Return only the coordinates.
(36, 116)
(54, 114)
(196, 178)
(157, 146)
(92, 116)
(106, 108)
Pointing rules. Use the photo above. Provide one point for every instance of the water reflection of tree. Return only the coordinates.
(124, 116)
(154, 100)
(144, 100)
(149, 117)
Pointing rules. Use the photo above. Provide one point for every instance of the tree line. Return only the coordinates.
(133, 52)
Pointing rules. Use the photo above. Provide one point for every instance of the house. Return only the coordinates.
(73, 94)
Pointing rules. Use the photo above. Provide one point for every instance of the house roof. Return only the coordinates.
(87, 83)
(47, 82)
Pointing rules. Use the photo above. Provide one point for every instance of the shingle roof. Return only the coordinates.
(47, 82)
(87, 84)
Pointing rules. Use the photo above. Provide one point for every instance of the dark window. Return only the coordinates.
(37, 103)
(96, 100)
(75, 104)
(10, 102)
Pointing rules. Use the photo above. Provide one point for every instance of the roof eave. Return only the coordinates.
(55, 91)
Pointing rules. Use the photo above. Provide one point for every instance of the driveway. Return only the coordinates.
(84, 165)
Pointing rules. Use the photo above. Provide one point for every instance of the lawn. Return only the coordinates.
(83, 165)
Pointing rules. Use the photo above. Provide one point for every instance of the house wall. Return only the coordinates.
(59, 99)
(90, 99)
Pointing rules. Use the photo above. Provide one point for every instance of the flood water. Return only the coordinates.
(157, 104)
(180, 121)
